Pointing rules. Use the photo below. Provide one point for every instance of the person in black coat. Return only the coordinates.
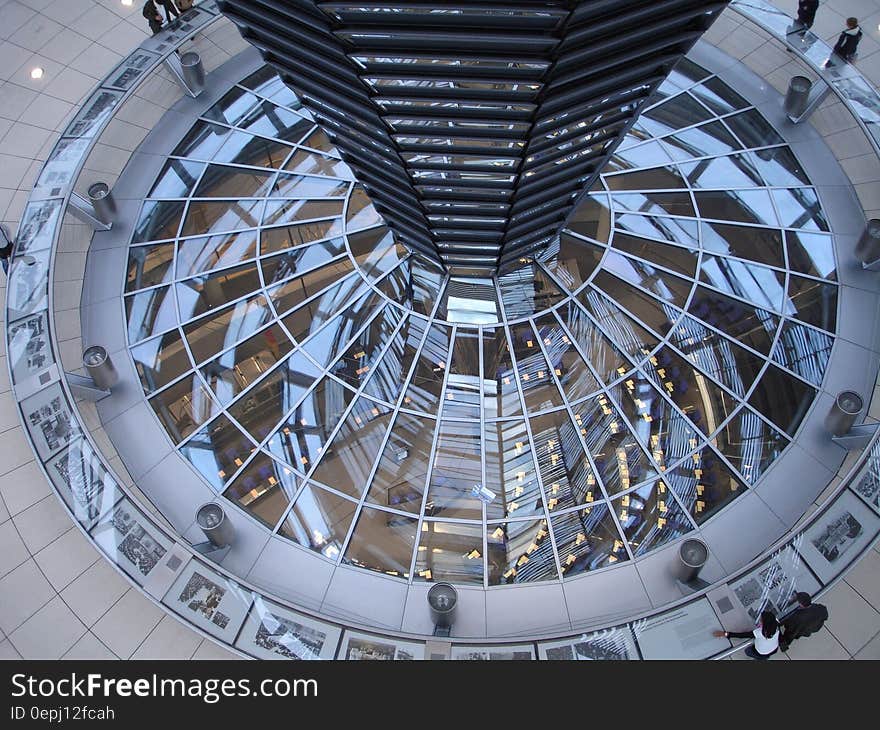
(170, 9)
(6, 247)
(151, 13)
(848, 42)
(806, 13)
(806, 619)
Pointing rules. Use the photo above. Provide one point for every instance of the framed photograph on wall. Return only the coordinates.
(838, 536)
(361, 647)
(83, 483)
(515, 652)
(49, 421)
(615, 644)
(129, 538)
(275, 632)
(209, 600)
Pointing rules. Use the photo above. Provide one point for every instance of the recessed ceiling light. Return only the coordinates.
(127, 3)
(36, 73)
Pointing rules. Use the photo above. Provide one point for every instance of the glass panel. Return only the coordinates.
(287, 211)
(284, 237)
(301, 438)
(659, 427)
(751, 127)
(160, 361)
(319, 520)
(732, 171)
(762, 286)
(591, 218)
(800, 208)
(423, 393)
(743, 206)
(262, 408)
(704, 484)
(803, 350)
(510, 471)
(609, 362)
(264, 489)
(218, 450)
(538, 387)
(650, 517)
(463, 383)
(528, 290)
(149, 265)
(450, 551)
(814, 302)
(220, 330)
(811, 253)
(400, 477)
(717, 355)
(500, 394)
(565, 470)
(149, 313)
(679, 260)
(177, 179)
(393, 369)
(711, 138)
(753, 327)
(520, 552)
(587, 540)
(574, 375)
(615, 451)
(184, 407)
(204, 293)
(757, 244)
(221, 216)
(382, 541)
(197, 255)
(750, 444)
(626, 332)
(222, 181)
(456, 471)
(347, 461)
(306, 186)
(159, 220)
(782, 398)
(309, 162)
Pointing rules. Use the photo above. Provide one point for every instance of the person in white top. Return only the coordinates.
(766, 635)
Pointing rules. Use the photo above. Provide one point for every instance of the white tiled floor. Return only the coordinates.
(58, 597)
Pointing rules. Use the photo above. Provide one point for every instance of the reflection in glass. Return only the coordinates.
(402, 471)
(450, 551)
(263, 488)
(184, 407)
(587, 540)
(319, 520)
(704, 484)
(457, 469)
(650, 517)
(519, 552)
(382, 541)
(218, 450)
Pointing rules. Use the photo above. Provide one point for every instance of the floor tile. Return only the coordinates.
(851, 619)
(42, 523)
(169, 640)
(93, 593)
(127, 623)
(23, 592)
(49, 633)
(821, 645)
(12, 550)
(65, 558)
(89, 647)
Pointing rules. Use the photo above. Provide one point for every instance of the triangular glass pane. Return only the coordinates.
(319, 520)
(348, 459)
(217, 450)
(510, 471)
(264, 489)
(782, 398)
(520, 552)
(587, 540)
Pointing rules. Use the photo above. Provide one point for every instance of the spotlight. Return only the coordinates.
(36, 73)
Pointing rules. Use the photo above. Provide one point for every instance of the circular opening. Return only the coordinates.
(98, 191)
(850, 403)
(189, 58)
(694, 553)
(442, 597)
(800, 83)
(210, 515)
(95, 355)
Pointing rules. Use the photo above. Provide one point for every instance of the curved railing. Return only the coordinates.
(242, 616)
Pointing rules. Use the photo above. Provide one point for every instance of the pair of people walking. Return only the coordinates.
(171, 7)
(770, 635)
(848, 41)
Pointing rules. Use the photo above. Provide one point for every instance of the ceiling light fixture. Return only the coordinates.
(36, 73)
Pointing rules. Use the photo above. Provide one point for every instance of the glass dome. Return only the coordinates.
(594, 403)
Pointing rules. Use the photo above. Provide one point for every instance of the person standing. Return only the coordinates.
(806, 619)
(848, 42)
(170, 9)
(766, 635)
(6, 246)
(806, 13)
(151, 13)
